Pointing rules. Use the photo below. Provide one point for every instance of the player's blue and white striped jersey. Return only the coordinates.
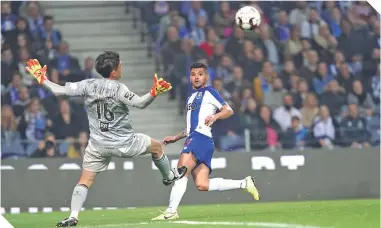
(202, 103)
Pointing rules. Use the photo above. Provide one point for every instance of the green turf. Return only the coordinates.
(345, 213)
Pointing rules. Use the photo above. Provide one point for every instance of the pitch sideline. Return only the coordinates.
(212, 223)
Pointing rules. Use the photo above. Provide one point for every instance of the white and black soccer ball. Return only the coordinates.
(248, 18)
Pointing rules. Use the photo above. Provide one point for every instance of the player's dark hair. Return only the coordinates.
(106, 63)
(199, 65)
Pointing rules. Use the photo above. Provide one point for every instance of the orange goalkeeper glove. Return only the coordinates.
(35, 69)
(159, 86)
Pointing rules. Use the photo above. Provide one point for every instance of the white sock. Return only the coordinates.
(220, 184)
(177, 192)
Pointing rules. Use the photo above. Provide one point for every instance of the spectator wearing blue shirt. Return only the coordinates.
(322, 79)
(195, 12)
(198, 34)
(283, 29)
(334, 22)
(295, 136)
(35, 20)
(8, 20)
(49, 33)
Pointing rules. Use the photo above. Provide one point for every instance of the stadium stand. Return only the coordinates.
(308, 77)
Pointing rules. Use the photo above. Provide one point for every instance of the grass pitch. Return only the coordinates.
(316, 214)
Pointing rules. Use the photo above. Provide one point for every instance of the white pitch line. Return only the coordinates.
(211, 223)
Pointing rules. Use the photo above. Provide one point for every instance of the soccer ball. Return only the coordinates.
(248, 18)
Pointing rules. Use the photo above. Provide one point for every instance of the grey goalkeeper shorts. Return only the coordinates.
(97, 159)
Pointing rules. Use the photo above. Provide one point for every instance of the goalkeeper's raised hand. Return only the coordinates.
(159, 86)
(35, 69)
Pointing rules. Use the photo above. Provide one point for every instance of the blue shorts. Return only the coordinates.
(201, 146)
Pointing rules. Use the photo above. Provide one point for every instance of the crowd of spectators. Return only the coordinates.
(35, 123)
(309, 76)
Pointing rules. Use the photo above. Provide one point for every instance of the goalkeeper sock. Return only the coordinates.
(77, 199)
(177, 192)
(220, 184)
(164, 166)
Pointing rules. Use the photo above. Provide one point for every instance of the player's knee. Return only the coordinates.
(202, 186)
(156, 149)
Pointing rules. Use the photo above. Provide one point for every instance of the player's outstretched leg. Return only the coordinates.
(78, 198)
(179, 188)
(162, 163)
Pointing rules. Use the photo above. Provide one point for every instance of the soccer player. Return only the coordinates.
(204, 107)
(111, 134)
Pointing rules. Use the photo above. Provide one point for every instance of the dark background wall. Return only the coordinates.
(311, 175)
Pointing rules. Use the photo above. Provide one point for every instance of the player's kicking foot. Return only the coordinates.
(251, 188)
(178, 174)
(167, 216)
(68, 222)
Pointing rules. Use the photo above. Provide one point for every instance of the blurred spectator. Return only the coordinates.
(12, 92)
(47, 147)
(334, 98)
(47, 52)
(334, 20)
(324, 129)
(294, 82)
(310, 28)
(225, 69)
(345, 77)
(251, 60)
(211, 40)
(322, 79)
(198, 34)
(362, 99)
(9, 63)
(167, 20)
(284, 113)
(77, 149)
(338, 59)
(266, 132)
(295, 136)
(293, 47)
(219, 51)
(249, 116)
(171, 47)
(275, 96)
(233, 46)
(22, 101)
(88, 71)
(48, 33)
(219, 86)
(354, 129)
(309, 71)
(246, 95)
(268, 44)
(227, 134)
(21, 28)
(263, 82)
(10, 138)
(223, 20)
(67, 65)
(283, 29)
(238, 82)
(325, 43)
(33, 122)
(35, 20)
(300, 95)
(299, 14)
(24, 56)
(22, 43)
(66, 124)
(375, 87)
(8, 19)
(285, 74)
(351, 42)
(195, 12)
(309, 110)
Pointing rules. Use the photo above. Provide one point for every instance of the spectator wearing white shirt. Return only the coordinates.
(323, 128)
(310, 28)
(284, 114)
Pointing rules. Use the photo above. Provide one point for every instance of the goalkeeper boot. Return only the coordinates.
(167, 215)
(251, 188)
(177, 173)
(68, 222)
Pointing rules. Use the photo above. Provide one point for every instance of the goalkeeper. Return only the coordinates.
(111, 134)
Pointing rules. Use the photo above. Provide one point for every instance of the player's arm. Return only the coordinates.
(172, 139)
(131, 99)
(225, 111)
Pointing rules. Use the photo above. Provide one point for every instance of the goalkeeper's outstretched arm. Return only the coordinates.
(54, 88)
(131, 99)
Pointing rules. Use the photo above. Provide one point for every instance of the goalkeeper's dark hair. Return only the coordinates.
(106, 63)
(199, 65)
